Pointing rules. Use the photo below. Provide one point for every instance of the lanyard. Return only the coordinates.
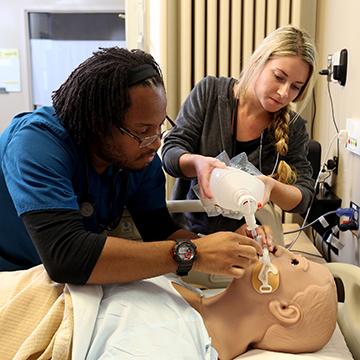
(234, 120)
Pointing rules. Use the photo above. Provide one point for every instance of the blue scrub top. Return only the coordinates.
(43, 169)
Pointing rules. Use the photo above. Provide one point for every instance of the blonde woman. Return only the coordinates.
(252, 114)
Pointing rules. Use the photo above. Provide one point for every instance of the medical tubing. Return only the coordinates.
(308, 225)
(339, 212)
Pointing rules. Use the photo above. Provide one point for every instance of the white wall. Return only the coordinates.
(337, 28)
(13, 34)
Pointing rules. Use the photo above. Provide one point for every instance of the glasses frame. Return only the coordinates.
(147, 140)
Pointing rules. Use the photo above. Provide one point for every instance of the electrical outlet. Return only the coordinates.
(353, 135)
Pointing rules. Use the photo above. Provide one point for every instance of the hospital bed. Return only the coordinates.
(64, 323)
(73, 311)
(349, 310)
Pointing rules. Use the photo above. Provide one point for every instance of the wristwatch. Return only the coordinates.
(184, 253)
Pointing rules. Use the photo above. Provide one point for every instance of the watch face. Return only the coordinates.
(186, 252)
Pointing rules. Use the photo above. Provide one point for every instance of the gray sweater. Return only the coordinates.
(203, 126)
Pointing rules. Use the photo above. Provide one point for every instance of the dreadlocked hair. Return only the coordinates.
(95, 97)
(280, 129)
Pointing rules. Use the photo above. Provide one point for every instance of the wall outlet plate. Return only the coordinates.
(353, 135)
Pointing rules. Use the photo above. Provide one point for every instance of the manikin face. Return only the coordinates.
(294, 273)
(144, 118)
(280, 82)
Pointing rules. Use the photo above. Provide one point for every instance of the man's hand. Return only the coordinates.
(263, 231)
(225, 253)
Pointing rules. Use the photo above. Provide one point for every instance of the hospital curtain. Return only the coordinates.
(195, 38)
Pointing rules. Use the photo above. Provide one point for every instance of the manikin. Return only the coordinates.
(297, 315)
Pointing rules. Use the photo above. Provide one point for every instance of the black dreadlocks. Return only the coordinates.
(95, 97)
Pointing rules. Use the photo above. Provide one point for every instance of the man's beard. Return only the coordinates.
(108, 154)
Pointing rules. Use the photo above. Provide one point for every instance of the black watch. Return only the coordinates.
(184, 253)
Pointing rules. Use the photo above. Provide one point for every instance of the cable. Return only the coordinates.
(289, 246)
(349, 212)
(314, 113)
(333, 117)
(322, 169)
(322, 72)
(326, 238)
(332, 107)
(312, 223)
(306, 253)
(337, 135)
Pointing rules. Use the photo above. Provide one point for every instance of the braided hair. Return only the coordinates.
(284, 41)
(95, 97)
(280, 129)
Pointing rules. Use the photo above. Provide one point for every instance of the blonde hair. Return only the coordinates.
(284, 41)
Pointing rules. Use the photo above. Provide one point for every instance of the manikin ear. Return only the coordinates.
(287, 314)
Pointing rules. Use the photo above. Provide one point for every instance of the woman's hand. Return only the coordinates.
(204, 165)
(286, 196)
(269, 186)
(264, 233)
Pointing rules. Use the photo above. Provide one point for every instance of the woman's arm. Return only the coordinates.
(287, 197)
(199, 135)
(185, 137)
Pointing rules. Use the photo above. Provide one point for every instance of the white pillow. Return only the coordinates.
(335, 349)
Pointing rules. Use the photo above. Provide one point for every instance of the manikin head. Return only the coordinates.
(299, 316)
(303, 308)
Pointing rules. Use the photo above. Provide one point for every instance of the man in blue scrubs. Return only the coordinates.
(68, 171)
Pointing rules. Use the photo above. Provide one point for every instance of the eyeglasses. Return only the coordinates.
(147, 140)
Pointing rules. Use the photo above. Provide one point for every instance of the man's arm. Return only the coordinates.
(124, 260)
(70, 253)
(74, 255)
(222, 253)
